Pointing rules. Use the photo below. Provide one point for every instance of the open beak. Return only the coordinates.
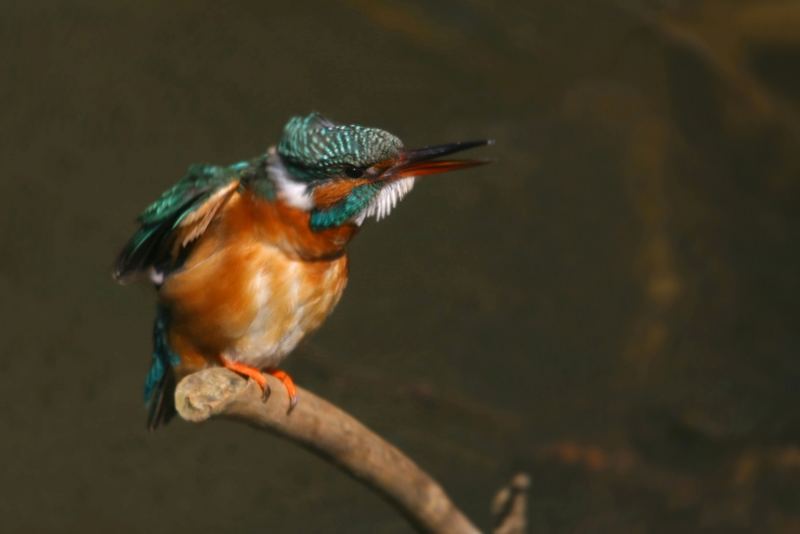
(422, 161)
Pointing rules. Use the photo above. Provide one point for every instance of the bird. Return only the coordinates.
(249, 258)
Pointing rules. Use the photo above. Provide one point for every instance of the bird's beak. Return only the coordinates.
(422, 161)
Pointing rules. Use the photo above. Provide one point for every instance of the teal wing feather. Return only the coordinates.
(151, 247)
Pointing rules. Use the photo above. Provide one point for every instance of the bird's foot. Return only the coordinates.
(288, 383)
(261, 380)
(250, 372)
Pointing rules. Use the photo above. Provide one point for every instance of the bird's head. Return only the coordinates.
(344, 173)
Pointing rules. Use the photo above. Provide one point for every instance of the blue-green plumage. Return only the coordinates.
(345, 210)
(151, 245)
(314, 148)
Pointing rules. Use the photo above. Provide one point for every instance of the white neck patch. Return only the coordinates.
(385, 201)
(294, 193)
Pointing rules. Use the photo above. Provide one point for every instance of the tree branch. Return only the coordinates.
(336, 436)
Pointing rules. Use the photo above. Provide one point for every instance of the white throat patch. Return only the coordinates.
(385, 201)
(294, 193)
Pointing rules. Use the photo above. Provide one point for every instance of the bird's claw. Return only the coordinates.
(288, 383)
(266, 391)
(292, 404)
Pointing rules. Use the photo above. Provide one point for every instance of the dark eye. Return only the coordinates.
(353, 172)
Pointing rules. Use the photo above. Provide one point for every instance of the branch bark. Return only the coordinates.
(339, 438)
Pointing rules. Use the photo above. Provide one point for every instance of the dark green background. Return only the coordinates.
(610, 306)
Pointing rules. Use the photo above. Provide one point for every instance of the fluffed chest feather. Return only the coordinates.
(292, 298)
(251, 302)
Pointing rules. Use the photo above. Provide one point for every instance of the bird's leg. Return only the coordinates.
(248, 371)
(288, 383)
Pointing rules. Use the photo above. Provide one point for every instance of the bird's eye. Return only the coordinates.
(353, 171)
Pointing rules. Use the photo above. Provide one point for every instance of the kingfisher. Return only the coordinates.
(249, 258)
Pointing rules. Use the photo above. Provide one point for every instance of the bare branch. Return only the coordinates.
(336, 436)
(509, 507)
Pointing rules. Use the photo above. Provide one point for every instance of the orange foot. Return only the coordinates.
(261, 380)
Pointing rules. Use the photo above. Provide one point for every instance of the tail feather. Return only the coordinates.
(162, 405)
(159, 386)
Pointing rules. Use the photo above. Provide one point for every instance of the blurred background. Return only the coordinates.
(610, 306)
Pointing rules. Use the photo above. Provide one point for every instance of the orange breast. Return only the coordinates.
(256, 282)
